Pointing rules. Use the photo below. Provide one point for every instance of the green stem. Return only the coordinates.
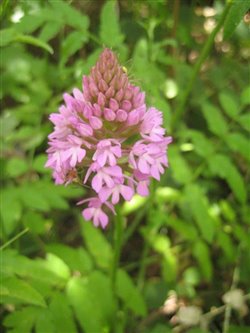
(203, 55)
(144, 262)
(14, 239)
(118, 229)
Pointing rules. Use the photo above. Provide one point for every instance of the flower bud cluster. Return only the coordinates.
(105, 137)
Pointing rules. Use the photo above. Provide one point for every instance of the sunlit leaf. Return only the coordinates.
(16, 290)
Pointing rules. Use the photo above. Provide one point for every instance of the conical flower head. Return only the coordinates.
(108, 88)
(106, 138)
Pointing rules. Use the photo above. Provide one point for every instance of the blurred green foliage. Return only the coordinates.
(190, 239)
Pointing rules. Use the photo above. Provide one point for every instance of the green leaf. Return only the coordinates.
(183, 228)
(100, 288)
(130, 295)
(227, 245)
(161, 244)
(58, 266)
(244, 121)
(202, 145)
(30, 23)
(239, 143)
(71, 16)
(34, 41)
(8, 36)
(215, 120)
(50, 30)
(222, 166)
(11, 213)
(235, 15)
(59, 308)
(110, 23)
(71, 44)
(201, 253)
(34, 270)
(85, 307)
(31, 198)
(199, 209)
(181, 171)
(16, 167)
(35, 222)
(245, 96)
(44, 322)
(16, 290)
(229, 104)
(22, 320)
(97, 245)
(78, 259)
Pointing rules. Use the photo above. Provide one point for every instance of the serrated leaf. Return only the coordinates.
(110, 24)
(201, 253)
(229, 104)
(239, 143)
(97, 245)
(16, 290)
(215, 120)
(222, 166)
(199, 209)
(235, 15)
(129, 294)
(59, 308)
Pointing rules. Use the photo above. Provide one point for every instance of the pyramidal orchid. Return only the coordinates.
(105, 137)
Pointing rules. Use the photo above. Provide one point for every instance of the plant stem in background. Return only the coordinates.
(118, 229)
(203, 55)
(14, 239)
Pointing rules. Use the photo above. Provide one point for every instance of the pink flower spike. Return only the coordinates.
(75, 154)
(105, 152)
(106, 136)
(109, 114)
(119, 189)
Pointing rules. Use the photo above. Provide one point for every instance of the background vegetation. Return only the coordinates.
(185, 261)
